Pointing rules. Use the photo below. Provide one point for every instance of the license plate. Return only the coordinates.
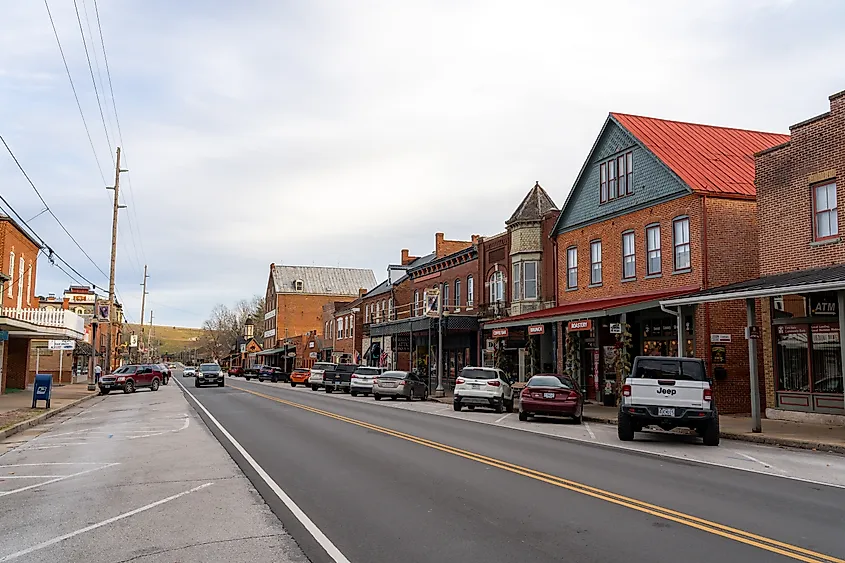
(105, 385)
(663, 411)
(475, 386)
(548, 395)
(390, 385)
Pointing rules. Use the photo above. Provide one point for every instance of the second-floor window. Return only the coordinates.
(595, 262)
(616, 177)
(826, 218)
(497, 287)
(571, 267)
(470, 291)
(11, 271)
(416, 303)
(457, 293)
(446, 294)
(339, 329)
(653, 260)
(529, 279)
(390, 308)
(680, 237)
(629, 258)
(516, 281)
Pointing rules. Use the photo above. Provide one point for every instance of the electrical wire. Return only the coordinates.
(75, 95)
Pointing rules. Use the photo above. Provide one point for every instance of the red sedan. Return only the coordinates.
(550, 394)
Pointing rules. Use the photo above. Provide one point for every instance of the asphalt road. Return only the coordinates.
(387, 485)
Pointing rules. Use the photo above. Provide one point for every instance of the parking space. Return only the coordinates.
(814, 467)
(132, 477)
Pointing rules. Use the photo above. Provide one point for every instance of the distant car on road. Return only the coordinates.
(128, 378)
(318, 372)
(551, 394)
(189, 371)
(209, 373)
(340, 378)
(272, 373)
(399, 384)
(236, 371)
(300, 375)
(483, 387)
(362, 380)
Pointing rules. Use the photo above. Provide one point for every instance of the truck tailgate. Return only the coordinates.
(669, 393)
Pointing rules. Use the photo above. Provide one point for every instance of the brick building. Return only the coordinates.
(801, 288)
(517, 268)
(294, 302)
(654, 215)
(348, 321)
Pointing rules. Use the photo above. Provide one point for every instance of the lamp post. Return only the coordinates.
(440, 391)
(92, 363)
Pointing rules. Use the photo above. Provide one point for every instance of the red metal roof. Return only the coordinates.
(710, 159)
(602, 304)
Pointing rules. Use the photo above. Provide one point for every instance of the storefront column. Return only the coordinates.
(682, 333)
(840, 298)
(751, 317)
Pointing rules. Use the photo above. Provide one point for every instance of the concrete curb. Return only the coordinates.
(742, 437)
(36, 420)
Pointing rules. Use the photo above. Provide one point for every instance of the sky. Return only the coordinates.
(336, 133)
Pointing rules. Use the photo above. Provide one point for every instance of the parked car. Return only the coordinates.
(128, 378)
(209, 373)
(484, 387)
(362, 380)
(669, 393)
(300, 375)
(318, 371)
(189, 371)
(399, 384)
(236, 371)
(165, 371)
(551, 394)
(272, 373)
(339, 378)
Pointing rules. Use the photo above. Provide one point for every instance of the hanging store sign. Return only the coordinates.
(500, 333)
(823, 305)
(752, 332)
(615, 328)
(575, 326)
(536, 329)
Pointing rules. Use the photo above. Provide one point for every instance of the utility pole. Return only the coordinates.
(143, 302)
(116, 207)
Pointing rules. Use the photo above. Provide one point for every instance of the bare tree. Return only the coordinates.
(225, 326)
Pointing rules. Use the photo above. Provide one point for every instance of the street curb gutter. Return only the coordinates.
(35, 421)
(754, 438)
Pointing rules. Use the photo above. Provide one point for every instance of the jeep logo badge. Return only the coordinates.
(664, 391)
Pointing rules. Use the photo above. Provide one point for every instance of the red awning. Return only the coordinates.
(593, 308)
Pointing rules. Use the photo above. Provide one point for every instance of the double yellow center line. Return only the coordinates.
(768, 544)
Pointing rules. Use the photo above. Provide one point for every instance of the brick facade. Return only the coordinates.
(14, 243)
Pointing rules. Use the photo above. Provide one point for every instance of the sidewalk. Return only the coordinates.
(16, 406)
(802, 435)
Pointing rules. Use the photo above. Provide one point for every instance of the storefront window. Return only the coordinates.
(827, 363)
(792, 353)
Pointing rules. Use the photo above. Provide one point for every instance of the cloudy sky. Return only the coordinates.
(338, 132)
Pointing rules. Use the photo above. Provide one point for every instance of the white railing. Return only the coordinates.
(47, 318)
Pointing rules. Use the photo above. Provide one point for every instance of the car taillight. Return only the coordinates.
(494, 382)
(626, 390)
(401, 382)
(460, 381)
(354, 376)
(375, 381)
(708, 395)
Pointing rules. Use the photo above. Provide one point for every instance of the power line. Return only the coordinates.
(75, 95)
(91, 71)
(47, 207)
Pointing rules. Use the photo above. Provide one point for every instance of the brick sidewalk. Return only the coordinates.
(16, 407)
(803, 435)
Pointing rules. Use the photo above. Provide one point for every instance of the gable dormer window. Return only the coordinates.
(298, 285)
(616, 177)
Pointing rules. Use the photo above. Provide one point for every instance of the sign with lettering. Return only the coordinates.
(500, 333)
(718, 353)
(720, 338)
(311, 344)
(615, 328)
(133, 340)
(312, 355)
(752, 332)
(431, 301)
(536, 329)
(61, 344)
(823, 305)
(575, 326)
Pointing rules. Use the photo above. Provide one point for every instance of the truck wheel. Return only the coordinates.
(711, 433)
(104, 391)
(625, 428)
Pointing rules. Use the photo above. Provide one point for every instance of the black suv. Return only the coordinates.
(340, 378)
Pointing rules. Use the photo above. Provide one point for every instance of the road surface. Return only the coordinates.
(360, 481)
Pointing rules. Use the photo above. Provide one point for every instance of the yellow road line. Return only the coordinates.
(748, 538)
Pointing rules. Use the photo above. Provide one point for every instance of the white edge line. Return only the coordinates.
(56, 480)
(303, 518)
(54, 541)
(51, 463)
(589, 430)
(5, 477)
(498, 420)
(610, 445)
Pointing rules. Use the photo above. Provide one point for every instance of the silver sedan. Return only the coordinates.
(399, 384)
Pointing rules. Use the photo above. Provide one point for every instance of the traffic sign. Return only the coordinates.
(133, 340)
(61, 344)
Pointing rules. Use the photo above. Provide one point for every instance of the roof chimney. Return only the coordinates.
(362, 292)
(475, 239)
(438, 245)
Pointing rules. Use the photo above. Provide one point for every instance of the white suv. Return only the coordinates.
(318, 371)
(668, 393)
(485, 387)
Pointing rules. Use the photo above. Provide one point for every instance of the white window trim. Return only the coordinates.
(658, 249)
(536, 280)
(470, 290)
(29, 284)
(572, 256)
(21, 265)
(11, 272)
(595, 244)
(516, 281)
(633, 255)
(682, 220)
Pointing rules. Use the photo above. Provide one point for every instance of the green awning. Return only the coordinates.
(270, 352)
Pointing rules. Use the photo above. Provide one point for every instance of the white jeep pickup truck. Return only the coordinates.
(668, 393)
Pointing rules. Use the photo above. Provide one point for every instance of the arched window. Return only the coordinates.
(470, 291)
(497, 287)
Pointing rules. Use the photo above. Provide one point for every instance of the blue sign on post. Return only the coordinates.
(4, 335)
(42, 389)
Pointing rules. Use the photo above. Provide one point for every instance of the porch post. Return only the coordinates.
(840, 308)
(751, 317)
(682, 333)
